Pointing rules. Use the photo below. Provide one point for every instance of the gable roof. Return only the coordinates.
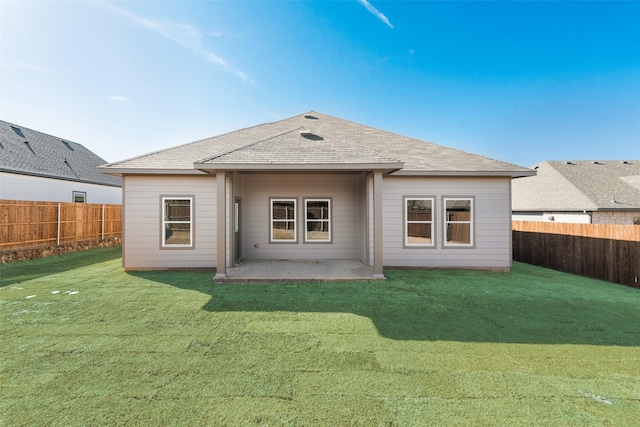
(28, 152)
(579, 186)
(315, 141)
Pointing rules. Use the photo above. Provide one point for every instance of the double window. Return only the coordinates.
(177, 222)
(457, 222)
(284, 220)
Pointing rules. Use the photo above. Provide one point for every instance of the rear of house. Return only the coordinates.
(315, 187)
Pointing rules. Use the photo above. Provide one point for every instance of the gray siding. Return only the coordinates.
(142, 214)
(343, 189)
(492, 223)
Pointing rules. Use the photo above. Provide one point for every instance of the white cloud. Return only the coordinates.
(183, 34)
(122, 99)
(375, 12)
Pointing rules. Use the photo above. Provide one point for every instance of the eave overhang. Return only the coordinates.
(308, 167)
(478, 173)
(149, 171)
(61, 178)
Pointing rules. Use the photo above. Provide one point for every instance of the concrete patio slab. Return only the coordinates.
(299, 270)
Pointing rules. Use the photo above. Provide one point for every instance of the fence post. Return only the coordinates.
(102, 234)
(58, 234)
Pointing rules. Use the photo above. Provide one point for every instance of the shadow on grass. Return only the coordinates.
(529, 305)
(20, 271)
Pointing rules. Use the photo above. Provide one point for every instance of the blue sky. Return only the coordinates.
(518, 81)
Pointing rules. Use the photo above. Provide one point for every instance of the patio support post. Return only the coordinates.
(377, 225)
(221, 220)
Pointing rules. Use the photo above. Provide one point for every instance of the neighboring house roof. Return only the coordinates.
(28, 152)
(315, 141)
(579, 186)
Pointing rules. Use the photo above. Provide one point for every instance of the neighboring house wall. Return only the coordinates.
(492, 223)
(569, 217)
(142, 234)
(627, 218)
(606, 217)
(26, 187)
(344, 191)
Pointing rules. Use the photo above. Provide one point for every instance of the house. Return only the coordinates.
(315, 187)
(590, 192)
(41, 167)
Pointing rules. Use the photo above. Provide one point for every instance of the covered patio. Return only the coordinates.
(298, 270)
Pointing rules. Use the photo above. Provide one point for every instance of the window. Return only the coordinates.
(79, 196)
(418, 221)
(458, 221)
(283, 221)
(177, 222)
(317, 213)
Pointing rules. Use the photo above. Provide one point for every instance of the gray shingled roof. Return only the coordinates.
(29, 152)
(579, 186)
(332, 141)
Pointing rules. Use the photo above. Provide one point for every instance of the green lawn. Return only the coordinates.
(83, 343)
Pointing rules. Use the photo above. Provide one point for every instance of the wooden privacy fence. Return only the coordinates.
(25, 224)
(603, 251)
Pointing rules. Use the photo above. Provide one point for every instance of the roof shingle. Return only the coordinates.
(332, 141)
(579, 185)
(29, 152)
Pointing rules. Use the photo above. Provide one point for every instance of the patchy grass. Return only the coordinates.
(84, 343)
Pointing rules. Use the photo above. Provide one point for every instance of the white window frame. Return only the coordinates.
(165, 222)
(471, 222)
(294, 221)
(328, 220)
(406, 199)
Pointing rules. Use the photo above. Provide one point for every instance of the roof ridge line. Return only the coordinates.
(45, 133)
(141, 156)
(208, 159)
(422, 140)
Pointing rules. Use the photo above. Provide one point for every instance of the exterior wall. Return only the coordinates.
(492, 223)
(141, 242)
(569, 217)
(343, 189)
(628, 218)
(25, 187)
